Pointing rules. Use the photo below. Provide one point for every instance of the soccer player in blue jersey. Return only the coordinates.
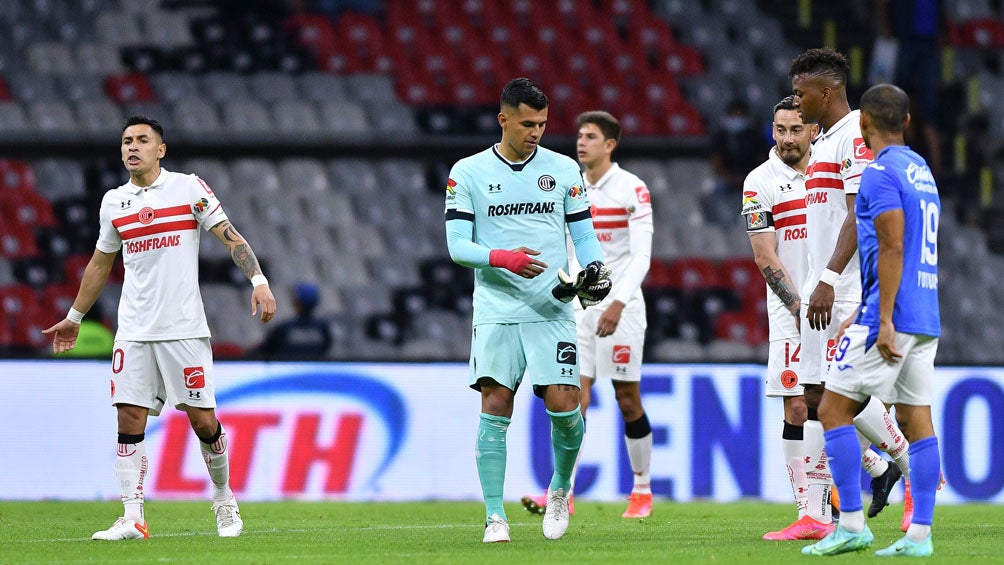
(889, 349)
(506, 212)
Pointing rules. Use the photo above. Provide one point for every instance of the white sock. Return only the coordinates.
(131, 467)
(875, 423)
(817, 471)
(873, 463)
(218, 462)
(640, 454)
(918, 532)
(853, 521)
(794, 457)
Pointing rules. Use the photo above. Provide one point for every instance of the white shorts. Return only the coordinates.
(616, 356)
(154, 373)
(818, 346)
(784, 366)
(858, 373)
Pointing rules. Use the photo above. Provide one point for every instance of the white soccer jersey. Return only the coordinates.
(839, 155)
(774, 201)
(622, 210)
(157, 229)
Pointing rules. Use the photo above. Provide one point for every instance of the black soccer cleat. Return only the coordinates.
(881, 487)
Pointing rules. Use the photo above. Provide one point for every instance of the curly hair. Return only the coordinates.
(824, 62)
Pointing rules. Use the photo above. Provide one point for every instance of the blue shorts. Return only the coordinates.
(504, 352)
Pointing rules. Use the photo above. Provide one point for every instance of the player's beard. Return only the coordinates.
(790, 156)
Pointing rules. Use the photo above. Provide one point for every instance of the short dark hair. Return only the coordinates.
(608, 124)
(821, 62)
(887, 105)
(137, 120)
(522, 91)
(786, 103)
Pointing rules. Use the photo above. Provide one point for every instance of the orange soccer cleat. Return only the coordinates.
(805, 527)
(640, 506)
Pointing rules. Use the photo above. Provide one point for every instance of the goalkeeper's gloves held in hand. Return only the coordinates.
(591, 286)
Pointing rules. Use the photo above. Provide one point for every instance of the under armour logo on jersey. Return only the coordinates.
(567, 354)
(494, 188)
(787, 188)
(126, 204)
(565, 371)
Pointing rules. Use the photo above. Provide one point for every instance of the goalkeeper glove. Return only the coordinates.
(591, 286)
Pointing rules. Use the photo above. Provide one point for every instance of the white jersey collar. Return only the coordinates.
(852, 115)
(614, 167)
(161, 179)
(781, 166)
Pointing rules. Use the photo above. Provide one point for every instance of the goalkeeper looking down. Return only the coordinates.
(506, 212)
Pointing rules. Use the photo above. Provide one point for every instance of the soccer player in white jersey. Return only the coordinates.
(774, 207)
(611, 336)
(833, 285)
(889, 350)
(162, 352)
(506, 212)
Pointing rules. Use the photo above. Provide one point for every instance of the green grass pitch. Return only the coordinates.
(450, 532)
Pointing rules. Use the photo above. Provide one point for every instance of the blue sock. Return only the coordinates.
(490, 453)
(925, 475)
(844, 454)
(567, 429)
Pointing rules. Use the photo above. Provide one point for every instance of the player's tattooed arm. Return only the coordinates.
(240, 251)
(781, 286)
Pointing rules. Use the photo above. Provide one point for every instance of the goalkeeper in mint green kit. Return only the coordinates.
(506, 212)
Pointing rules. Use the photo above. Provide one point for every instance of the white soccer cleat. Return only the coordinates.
(556, 515)
(123, 529)
(228, 519)
(496, 530)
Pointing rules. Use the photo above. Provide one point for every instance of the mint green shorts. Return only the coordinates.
(546, 350)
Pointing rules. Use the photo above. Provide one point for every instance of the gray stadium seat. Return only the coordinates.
(118, 28)
(50, 58)
(222, 86)
(393, 271)
(675, 351)
(321, 87)
(214, 171)
(274, 87)
(727, 351)
(99, 59)
(54, 117)
(166, 29)
(81, 87)
(30, 87)
(385, 212)
(406, 176)
(58, 179)
(174, 86)
(195, 117)
(653, 173)
(14, 122)
(377, 87)
(391, 117)
(247, 118)
(299, 175)
(424, 350)
(354, 175)
(342, 117)
(362, 240)
(257, 175)
(330, 209)
(296, 118)
(361, 301)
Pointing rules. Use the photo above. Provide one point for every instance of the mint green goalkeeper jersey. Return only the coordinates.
(512, 205)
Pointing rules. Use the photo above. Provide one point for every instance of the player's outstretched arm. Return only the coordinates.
(91, 284)
(247, 262)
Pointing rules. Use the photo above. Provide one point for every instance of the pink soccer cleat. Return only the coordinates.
(805, 527)
(640, 506)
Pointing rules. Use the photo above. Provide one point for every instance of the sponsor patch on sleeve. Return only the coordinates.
(757, 220)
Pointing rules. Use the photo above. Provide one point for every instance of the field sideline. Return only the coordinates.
(450, 532)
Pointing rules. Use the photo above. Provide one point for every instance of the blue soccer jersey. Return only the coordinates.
(513, 205)
(899, 179)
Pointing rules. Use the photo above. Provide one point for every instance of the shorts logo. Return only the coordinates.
(146, 215)
(622, 354)
(567, 353)
(546, 183)
(831, 350)
(789, 379)
(195, 377)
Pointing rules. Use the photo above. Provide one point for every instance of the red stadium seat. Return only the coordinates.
(4, 92)
(73, 268)
(29, 209)
(741, 326)
(129, 88)
(18, 300)
(693, 273)
(17, 241)
(658, 275)
(58, 297)
(742, 275)
(982, 33)
(312, 31)
(227, 350)
(16, 175)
